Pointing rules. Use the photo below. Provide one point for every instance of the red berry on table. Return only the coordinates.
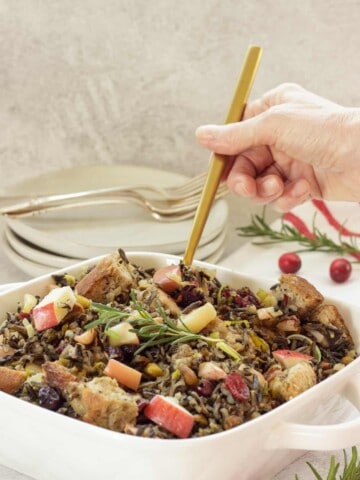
(340, 270)
(289, 262)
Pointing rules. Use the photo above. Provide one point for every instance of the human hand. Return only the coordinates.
(291, 145)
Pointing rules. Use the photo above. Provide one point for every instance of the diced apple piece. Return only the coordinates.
(168, 278)
(53, 308)
(289, 358)
(87, 337)
(127, 376)
(197, 319)
(120, 334)
(166, 412)
(29, 303)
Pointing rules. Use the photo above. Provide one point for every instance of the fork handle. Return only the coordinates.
(28, 205)
(12, 204)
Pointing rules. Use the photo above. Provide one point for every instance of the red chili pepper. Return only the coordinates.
(323, 208)
(236, 385)
(298, 224)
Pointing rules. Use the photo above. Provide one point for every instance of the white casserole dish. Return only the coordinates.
(46, 445)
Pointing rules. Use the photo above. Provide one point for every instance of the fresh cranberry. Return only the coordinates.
(235, 383)
(289, 262)
(340, 270)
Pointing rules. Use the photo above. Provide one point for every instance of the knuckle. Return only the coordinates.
(282, 93)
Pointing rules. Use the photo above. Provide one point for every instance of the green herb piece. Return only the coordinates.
(229, 350)
(150, 331)
(106, 316)
(154, 333)
(321, 242)
(351, 470)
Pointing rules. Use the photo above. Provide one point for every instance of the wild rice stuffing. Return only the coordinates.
(168, 354)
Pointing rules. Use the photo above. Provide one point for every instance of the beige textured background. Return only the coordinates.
(116, 81)
(111, 81)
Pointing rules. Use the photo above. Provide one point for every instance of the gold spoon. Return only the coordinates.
(218, 162)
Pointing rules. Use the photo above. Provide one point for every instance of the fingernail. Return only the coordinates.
(241, 188)
(300, 189)
(206, 132)
(268, 187)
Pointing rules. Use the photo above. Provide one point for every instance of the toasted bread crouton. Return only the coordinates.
(289, 383)
(11, 380)
(330, 315)
(58, 376)
(302, 297)
(102, 402)
(110, 277)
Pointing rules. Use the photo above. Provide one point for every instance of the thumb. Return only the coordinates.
(232, 138)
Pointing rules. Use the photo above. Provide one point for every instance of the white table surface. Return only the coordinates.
(239, 214)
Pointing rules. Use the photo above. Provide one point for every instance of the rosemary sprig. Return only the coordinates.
(351, 470)
(155, 333)
(150, 331)
(106, 315)
(320, 242)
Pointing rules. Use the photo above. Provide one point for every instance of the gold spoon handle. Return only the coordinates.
(218, 162)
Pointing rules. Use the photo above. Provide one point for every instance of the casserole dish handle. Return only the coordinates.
(291, 435)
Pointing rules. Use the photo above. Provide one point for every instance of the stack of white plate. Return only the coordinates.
(45, 242)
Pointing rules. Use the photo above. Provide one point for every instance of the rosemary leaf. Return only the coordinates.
(106, 316)
(351, 470)
(286, 233)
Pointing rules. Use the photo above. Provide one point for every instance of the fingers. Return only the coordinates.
(261, 190)
(271, 190)
(247, 167)
(294, 194)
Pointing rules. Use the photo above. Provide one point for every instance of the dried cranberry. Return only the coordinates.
(115, 352)
(142, 403)
(128, 351)
(236, 385)
(205, 387)
(189, 294)
(49, 398)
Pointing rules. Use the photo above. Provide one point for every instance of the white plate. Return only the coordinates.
(86, 232)
(31, 268)
(35, 254)
(262, 260)
(35, 262)
(31, 252)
